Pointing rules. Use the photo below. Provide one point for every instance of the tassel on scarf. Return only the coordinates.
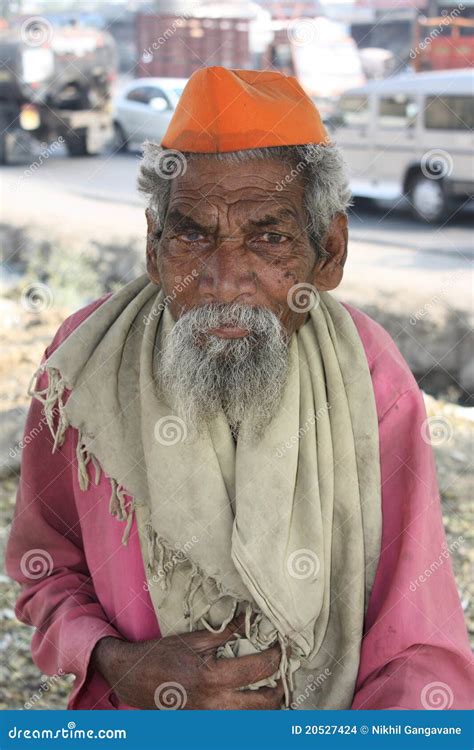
(52, 398)
(119, 508)
(83, 459)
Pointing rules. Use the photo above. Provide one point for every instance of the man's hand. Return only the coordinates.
(138, 672)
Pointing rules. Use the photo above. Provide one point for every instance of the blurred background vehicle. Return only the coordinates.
(322, 55)
(143, 109)
(450, 43)
(410, 135)
(56, 84)
(175, 38)
(377, 62)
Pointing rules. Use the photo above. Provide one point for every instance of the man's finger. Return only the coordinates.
(263, 699)
(203, 640)
(244, 670)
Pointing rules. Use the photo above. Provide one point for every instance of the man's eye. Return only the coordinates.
(191, 237)
(273, 238)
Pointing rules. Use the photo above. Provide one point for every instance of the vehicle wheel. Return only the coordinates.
(3, 148)
(428, 199)
(119, 142)
(3, 141)
(76, 143)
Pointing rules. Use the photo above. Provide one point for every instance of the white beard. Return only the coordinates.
(200, 373)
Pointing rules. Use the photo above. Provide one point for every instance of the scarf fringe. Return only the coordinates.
(52, 398)
(161, 563)
(83, 459)
(119, 508)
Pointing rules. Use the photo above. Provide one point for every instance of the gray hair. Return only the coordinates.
(327, 191)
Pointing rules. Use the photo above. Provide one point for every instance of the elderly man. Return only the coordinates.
(264, 446)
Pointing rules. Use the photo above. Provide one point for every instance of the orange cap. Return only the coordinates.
(229, 110)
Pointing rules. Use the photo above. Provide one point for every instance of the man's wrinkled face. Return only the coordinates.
(242, 238)
(232, 248)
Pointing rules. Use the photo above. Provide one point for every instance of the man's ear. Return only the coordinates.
(151, 248)
(329, 270)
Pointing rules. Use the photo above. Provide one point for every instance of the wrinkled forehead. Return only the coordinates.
(271, 186)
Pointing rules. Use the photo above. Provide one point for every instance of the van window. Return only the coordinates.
(397, 111)
(354, 110)
(449, 113)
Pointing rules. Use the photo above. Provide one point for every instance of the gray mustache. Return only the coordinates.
(258, 320)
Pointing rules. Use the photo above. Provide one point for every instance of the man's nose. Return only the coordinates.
(227, 276)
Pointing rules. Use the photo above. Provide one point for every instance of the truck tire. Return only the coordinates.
(76, 143)
(428, 199)
(3, 141)
(3, 148)
(119, 143)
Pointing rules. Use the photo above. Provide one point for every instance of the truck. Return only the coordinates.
(443, 43)
(172, 46)
(55, 83)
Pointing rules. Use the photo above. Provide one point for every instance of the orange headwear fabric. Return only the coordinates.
(229, 110)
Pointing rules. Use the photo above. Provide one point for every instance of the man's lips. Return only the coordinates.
(229, 332)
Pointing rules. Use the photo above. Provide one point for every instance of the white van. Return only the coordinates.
(410, 136)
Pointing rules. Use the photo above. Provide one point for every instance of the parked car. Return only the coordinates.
(144, 108)
(410, 136)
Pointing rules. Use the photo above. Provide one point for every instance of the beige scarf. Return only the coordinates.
(286, 529)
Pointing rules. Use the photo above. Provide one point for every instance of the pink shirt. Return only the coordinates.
(414, 631)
